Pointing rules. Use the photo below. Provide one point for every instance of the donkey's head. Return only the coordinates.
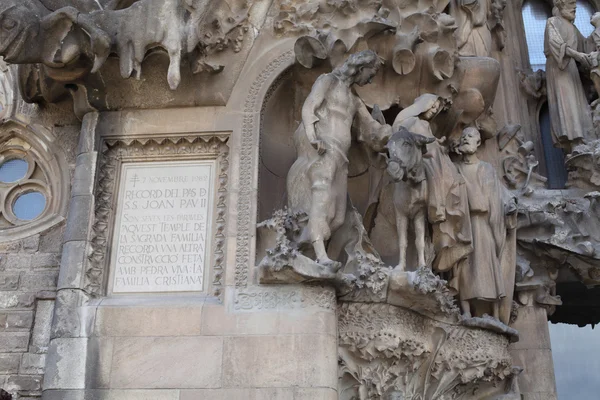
(406, 151)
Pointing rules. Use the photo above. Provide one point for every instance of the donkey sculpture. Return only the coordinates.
(405, 166)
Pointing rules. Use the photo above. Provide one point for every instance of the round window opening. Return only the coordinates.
(29, 206)
(13, 170)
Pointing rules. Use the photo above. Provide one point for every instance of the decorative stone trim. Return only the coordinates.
(250, 134)
(279, 298)
(113, 152)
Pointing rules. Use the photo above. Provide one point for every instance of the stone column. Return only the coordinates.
(533, 352)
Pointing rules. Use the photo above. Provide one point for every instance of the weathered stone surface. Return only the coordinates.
(32, 364)
(66, 366)
(149, 321)
(17, 320)
(314, 363)
(9, 282)
(23, 383)
(14, 342)
(157, 362)
(9, 363)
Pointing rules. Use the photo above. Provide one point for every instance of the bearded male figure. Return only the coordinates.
(570, 114)
(317, 181)
(480, 277)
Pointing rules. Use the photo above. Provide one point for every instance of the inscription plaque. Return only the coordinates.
(161, 241)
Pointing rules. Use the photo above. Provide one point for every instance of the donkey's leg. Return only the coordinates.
(402, 225)
(419, 223)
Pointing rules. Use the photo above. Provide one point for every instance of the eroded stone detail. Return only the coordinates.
(390, 352)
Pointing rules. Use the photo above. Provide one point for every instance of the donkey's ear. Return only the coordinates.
(423, 140)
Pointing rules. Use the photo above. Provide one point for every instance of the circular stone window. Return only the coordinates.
(13, 170)
(29, 206)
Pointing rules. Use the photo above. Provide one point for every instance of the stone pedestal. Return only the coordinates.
(533, 352)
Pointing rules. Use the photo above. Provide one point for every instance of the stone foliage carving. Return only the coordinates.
(388, 352)
(115, 151)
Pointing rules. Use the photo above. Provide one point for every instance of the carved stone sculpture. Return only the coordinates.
(74, 39)
(570, 113)
(317, 181)
(475, 18)
(410, 190)
(446, 201)
(479, 278)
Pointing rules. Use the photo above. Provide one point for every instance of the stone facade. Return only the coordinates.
(373, 220)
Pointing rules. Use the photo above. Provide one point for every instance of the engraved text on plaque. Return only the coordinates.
(162, 231)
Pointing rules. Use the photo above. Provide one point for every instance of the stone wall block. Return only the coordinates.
(26, 383)
(14, 342)
(16, 300)
(31, 244)
(18, 261)
(9, 282)
(45, 260)
(83, 180)
(78, 222)
(149, 321)
(99, 361)
(315, 361)
(9, 363)
(65, 366)
(40, 336)
(39, 281)
(51, 240)
(32, 364)
(16, 320)
(73, 262)
(158, 362)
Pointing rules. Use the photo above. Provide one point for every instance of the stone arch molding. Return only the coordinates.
(263, 83)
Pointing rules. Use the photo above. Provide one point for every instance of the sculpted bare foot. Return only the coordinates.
(329, 263)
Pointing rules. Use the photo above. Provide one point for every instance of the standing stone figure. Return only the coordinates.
(447, 199)
(317, 181)
(570, 114)
(474, 38)
(480, 276)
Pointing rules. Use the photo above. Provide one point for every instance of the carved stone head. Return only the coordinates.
(565, 9)
(361, 67)
(595, 19)
(406, 151)
(470, 139)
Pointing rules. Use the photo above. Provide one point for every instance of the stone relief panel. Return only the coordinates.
(186, 225)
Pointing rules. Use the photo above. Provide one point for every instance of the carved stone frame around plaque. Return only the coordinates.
(113, 152)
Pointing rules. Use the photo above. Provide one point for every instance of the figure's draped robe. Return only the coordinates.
(570, 114)
(480, 277)
(447, 201)
(474, 38)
